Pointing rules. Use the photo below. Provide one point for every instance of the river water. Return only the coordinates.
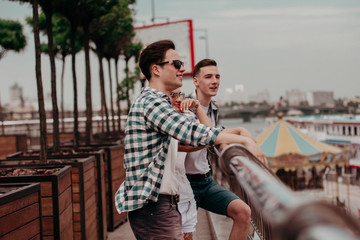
(255, 127)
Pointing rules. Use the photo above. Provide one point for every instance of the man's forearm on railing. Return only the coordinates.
(229, 138)
(240, 131)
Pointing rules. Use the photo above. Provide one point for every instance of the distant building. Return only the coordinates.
(295, 97)
(321, 98)
(16, 95)
(263, 96)
(228, 95)
(234, 94)
(17, 108)
(239, 92)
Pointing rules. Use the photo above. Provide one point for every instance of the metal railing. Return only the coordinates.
(31, 127)
(277, 211)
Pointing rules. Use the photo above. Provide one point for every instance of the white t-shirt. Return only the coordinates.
(170, 183)
(185, 190)
(197, 162)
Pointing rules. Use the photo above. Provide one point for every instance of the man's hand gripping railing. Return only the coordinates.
(278, 212)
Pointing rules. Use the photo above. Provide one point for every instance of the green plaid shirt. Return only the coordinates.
(152, 122)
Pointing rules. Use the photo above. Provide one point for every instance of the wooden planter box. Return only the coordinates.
(64, 137)
(10, 144)
(108, 138)
(100, 193)
(114, 176)
(56, 201)
(20, 211)
(83, 189)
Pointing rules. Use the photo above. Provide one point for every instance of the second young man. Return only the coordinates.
(208, 194)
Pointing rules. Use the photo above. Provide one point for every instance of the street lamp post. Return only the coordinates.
(205, 37)
(153, 11)
(2, 119)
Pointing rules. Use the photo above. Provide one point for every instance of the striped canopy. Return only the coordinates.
(282, 139)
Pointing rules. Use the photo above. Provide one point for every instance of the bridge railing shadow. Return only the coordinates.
(277, 211)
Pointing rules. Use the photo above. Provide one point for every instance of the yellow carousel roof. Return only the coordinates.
(283, 138)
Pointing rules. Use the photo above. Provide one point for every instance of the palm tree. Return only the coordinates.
(62, 47)
(102, 90)
(91, 11)
(70, 9)
(110, 27)
(43, 140)
(98, 36)
(62, 43)
(40, 91)
(46, 26)
(115, 45)
(47, 7)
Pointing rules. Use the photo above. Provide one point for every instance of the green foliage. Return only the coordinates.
(112, 32)
(61, 32)
(133, 50)
(128, 83)
(11, 36)
(123, 88)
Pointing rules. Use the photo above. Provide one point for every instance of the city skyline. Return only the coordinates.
(292, 97)
(277, 46)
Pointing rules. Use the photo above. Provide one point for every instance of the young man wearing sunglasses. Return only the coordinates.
(208, 194)
(149, 192)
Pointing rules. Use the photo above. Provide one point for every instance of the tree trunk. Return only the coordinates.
(88, 133)
(55, 110)
(2, 53)
(62, 95)
(2, 119)
(102, 109)
(43, 142)
(73, 66)
(127, 84)
(102, 92)
(102, 124)
(111, 96)
(117, 94)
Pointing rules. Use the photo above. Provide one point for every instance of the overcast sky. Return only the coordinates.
(310, 45)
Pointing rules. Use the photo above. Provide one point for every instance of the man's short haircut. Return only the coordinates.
(152, 54)
(203, 63)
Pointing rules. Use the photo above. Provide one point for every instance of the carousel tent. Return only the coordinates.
(286, 147)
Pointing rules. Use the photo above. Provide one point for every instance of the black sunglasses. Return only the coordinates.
(177, 63)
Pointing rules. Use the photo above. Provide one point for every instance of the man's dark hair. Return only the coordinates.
(153, 53)
(203, 63)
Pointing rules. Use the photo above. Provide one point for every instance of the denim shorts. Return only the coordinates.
(211, 196)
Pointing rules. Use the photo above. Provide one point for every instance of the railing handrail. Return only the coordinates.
(284, 214)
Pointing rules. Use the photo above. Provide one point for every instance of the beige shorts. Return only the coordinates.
(188, 215)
